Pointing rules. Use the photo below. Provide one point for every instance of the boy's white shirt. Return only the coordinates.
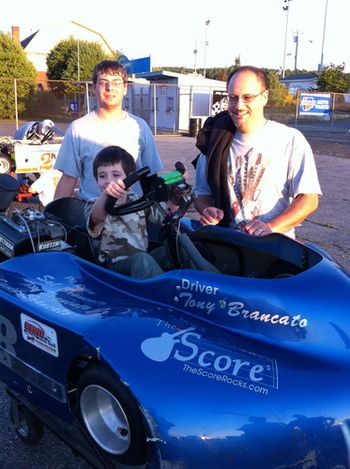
(45, 185)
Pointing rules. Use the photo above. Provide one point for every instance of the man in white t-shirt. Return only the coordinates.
(252, 173)
(108, 125)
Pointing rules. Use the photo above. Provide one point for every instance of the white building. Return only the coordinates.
(173, 101)
(300, 81)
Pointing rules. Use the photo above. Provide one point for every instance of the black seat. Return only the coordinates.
(70, 212)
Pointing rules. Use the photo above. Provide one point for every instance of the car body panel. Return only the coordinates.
(243, 372)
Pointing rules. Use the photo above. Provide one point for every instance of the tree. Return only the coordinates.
(14, 64)
(333, 79)
(74, 60)
(222, 74)
(235, 66)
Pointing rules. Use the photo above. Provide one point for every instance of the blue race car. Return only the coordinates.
(242, 361)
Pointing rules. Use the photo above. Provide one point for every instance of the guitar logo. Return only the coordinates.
(159, 349)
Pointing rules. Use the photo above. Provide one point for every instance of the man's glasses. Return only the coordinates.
(246, 98)
(113, 84)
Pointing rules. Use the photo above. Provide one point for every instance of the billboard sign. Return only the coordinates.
(314, 104)
(136, 65)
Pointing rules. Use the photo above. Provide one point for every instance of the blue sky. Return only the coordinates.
(171, 31)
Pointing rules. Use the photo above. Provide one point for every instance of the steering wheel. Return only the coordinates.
(132, 206)
(148, 199)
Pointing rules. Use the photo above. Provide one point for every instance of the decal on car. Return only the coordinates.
(225, 365)
(8, 356)
(6, 246)
(186, 297)
(40, 335)
(237, 308)
(82, 300)
(49, 245)
(8, 338)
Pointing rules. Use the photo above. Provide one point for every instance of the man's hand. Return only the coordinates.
(257, 228)
(211, 216)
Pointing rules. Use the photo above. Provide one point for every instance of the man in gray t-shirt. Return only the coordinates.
(108, 125)
(254, 173)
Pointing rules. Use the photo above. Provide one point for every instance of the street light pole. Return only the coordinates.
(205, 46)
(285, 8)
(296, 40)
(323, 36)
(78, 62)
(195, 51)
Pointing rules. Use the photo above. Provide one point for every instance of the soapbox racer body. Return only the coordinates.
(32, 149)
(240, 362)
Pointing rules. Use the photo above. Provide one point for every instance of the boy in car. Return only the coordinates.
(123, 239)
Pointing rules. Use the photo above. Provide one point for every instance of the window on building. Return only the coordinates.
(170, 104)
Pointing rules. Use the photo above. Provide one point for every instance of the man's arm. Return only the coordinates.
(300, 208)
(149, 153)
(65, 186)
(210, 215)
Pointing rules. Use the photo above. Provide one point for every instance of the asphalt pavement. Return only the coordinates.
(328, 227)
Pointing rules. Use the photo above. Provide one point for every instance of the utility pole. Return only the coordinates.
(296, 40)
(320, 67)
(285, 8)
(78, 61)
(206, 43)
(195, 51)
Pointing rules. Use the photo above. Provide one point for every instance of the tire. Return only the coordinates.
(5, 164)
(111, 416)
(29, 428)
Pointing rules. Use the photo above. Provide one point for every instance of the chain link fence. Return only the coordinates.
(167, 108)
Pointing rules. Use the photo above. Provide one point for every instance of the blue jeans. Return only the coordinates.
(140, 265)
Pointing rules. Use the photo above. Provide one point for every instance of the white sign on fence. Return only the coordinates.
(314, 104)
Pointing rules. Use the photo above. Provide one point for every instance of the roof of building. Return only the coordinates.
(60, 31)
(181, 78)
(299, 77)
(38, 45)
(27, 40)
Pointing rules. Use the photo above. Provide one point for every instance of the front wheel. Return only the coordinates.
(28, 427)
(5, 164)
(111, 416)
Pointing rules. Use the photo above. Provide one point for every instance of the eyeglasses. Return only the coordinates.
(246, 98)
(114, 84)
